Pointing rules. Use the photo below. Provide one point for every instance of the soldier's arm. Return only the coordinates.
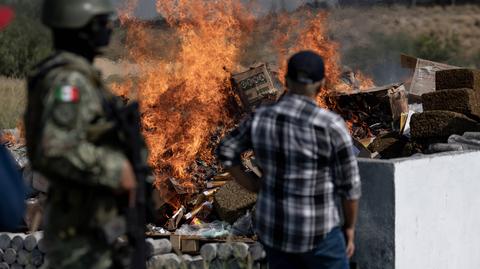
(72, 106)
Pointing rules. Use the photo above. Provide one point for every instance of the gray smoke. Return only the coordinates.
(146, 8)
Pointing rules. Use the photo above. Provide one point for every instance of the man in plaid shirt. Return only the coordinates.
(306, 155)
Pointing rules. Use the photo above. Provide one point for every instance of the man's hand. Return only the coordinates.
(350, 211)
(127, 180)
(350, 238)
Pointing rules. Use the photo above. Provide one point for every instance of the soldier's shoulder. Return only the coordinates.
(62, 64)
(63, 69)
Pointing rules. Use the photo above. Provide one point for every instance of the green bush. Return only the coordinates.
(25, 41)
(434, 48)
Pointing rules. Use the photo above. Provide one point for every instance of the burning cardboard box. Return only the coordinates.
(256, 86)
(372, 112)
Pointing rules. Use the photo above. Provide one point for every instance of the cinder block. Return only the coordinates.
(465, 101)
(232, 201)
(439, 123)
(457, 79)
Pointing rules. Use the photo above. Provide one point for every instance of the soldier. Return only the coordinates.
(72, 140)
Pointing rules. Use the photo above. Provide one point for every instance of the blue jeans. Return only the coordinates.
(330, 253)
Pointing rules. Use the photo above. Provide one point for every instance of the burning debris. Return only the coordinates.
(192, 97)
(257, 87)
(371, 112)
(190, 100)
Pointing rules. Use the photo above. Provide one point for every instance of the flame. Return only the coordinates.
(184, 101)
(8, 138)
(185, 95)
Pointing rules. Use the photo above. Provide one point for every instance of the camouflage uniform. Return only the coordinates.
(71, 142)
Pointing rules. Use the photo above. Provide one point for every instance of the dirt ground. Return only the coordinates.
(353, 26)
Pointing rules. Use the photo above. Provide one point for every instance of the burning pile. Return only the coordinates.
(186, 95)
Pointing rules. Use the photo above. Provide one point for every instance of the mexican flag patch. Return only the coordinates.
(68, 94)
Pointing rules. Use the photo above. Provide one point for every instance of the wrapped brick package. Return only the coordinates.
(232, 201)
(457, 78)
(465, 101)
(440, 123)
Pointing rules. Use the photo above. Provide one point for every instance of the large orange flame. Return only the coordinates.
(185, 96)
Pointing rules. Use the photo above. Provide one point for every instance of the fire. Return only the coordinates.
(185, 101)
(186, 95)
(8, 139)
(310, 35)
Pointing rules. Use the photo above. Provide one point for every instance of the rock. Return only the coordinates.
(440, 123)
(232, 201)
(465, 101)
(4, 265)
(457, 78)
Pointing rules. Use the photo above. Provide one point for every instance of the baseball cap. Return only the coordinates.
(306, 67)
(6, 15)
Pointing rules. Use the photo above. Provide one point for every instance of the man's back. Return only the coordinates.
(296, 145)
(307, 160)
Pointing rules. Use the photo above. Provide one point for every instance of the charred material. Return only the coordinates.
(371, 112)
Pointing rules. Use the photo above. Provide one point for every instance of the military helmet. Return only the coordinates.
(73, 14)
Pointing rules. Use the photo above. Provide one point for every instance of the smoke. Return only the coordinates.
(146, 8)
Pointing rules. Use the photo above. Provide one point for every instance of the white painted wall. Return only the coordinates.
(437, 220)
(420, 213)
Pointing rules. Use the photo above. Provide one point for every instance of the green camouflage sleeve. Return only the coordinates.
(72, 106)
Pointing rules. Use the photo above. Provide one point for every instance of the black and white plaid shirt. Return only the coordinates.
(306, 155)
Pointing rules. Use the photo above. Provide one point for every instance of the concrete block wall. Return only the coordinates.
(420, 213)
